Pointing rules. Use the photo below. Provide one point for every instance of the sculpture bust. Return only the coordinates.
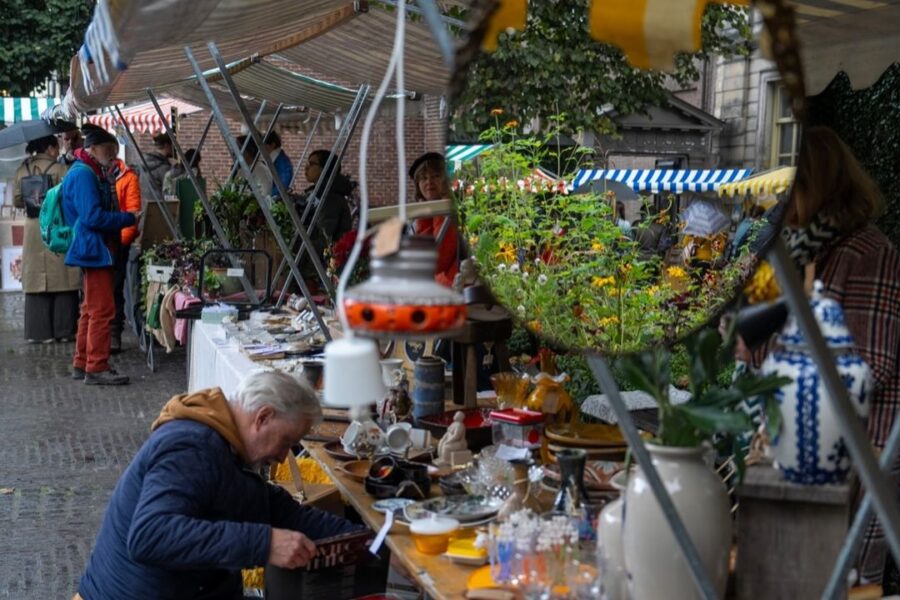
(454, 440)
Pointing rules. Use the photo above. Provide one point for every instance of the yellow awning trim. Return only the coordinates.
(771, 182)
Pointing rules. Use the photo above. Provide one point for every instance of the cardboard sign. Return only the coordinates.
(387, 240)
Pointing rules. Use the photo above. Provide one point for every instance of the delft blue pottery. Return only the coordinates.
(810, 449)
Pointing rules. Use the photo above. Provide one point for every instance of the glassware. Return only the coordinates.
(572, 499)
(511, 389)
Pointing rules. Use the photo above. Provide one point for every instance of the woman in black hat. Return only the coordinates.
(429, 172)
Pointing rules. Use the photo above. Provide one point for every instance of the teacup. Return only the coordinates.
(432, 535)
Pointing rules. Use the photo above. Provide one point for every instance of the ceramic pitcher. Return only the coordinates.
(810, 448)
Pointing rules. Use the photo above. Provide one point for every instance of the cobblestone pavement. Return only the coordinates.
(63, 446)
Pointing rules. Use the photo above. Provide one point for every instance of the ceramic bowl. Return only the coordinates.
(432, 535)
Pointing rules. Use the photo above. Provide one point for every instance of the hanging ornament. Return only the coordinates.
(401, 297)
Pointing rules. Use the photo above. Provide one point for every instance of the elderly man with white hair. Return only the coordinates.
(191, 510)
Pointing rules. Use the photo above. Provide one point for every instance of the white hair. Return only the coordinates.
(288, 396)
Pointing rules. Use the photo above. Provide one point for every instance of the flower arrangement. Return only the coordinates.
(337, 255)
(183, 255)
(560, 260)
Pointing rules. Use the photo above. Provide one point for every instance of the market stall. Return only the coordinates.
(675, 539)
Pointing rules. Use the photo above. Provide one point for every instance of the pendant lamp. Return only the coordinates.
(352, 374)
(401, 299)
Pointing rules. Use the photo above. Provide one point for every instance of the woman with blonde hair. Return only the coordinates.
(830, 222)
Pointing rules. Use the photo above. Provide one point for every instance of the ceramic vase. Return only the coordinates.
(810, 448)
(610, 544)
(653, 559)
(551, 398)
(428, 393)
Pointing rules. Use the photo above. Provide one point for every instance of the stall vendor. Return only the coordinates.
(191, 510)
(429, 172)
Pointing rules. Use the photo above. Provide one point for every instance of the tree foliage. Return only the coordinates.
(555, 67)
(39, 37)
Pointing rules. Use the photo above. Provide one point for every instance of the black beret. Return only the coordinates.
(428, 156)
(94, 135)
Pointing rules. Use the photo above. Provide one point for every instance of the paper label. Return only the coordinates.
(387, 240)
(234, 272)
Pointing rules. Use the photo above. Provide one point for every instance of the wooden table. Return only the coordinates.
(436, 575)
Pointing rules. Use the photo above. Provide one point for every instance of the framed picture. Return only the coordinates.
(11, 269)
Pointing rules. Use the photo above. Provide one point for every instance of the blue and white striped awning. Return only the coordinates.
(15, 110)
(664, 180)
(460, 153)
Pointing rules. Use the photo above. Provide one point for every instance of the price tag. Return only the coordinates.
(387, 240)
(235, 272)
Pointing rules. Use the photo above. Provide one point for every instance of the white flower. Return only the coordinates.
(521, 310)
(537, 262)
(542, 279)
(514, 268)
(524, 275)
(501, 267)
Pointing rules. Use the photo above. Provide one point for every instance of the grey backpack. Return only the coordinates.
(34, 187)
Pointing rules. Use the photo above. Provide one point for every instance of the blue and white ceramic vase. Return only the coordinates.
(810, 449)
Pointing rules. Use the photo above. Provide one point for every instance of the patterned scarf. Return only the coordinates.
(806, 243)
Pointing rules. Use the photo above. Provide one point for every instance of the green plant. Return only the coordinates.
(714, 412)
(237, 211)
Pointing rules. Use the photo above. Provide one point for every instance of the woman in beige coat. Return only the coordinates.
(51, 288)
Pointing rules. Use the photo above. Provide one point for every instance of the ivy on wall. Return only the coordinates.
(867, 120)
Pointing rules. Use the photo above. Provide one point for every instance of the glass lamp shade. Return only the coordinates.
(352, 373)
(401, 299)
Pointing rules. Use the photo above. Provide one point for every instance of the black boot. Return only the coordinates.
(109, 377)
(115, 344)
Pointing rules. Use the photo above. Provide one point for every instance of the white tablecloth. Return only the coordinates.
(215, 361)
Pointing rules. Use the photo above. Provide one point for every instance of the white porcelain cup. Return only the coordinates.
(420, 438)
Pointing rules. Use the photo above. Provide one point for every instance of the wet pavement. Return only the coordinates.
(63, 446)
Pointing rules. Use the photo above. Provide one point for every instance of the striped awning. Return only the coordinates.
(664, 180)
(24, 109)
(462, 152)
(771, 182)
(143, 117)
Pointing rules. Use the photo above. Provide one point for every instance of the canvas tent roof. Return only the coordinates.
(664, 180)
(143, 117)
(776, 181)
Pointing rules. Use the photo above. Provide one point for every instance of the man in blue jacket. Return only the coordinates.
(90, 208)
(191, 510)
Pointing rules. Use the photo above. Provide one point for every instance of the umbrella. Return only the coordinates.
(701, 218)
(25, 131)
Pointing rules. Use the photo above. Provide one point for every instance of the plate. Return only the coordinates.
(391, 504)
(359, 469)
(463, 508)
(597, 474)
(592, 435)
(336, 450)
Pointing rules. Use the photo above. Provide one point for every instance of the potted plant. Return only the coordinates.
(712, 418)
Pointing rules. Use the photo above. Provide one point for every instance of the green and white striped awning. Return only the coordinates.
(462, 152)
(24, 109)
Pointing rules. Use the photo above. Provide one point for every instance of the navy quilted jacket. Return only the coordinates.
(186, 516)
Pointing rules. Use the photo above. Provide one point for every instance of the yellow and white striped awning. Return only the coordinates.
(776, 181)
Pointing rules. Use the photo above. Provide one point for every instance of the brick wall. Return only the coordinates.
(424, 132)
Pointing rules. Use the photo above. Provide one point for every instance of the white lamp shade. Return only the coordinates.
(352, 373)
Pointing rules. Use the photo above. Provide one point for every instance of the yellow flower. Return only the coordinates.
(507, 253)
(653, 290)
(599, 282)
(607, 321)
(496, 112)
(473, 241)
(511, 124)
(763, 286)
(535, 326)
(676, 272)
(598, 247)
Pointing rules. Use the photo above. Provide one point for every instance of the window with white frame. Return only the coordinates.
(785, 129)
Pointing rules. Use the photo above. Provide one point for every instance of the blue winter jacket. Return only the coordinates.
(285, 171)
(88, 207)
(186, 516)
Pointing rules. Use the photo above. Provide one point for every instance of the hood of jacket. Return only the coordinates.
(208, 407)
(120, 169)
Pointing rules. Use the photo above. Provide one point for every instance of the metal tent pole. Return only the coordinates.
(886, 505)
(270, 164)
(261, 198)
(269, 128)
(834, 589)
(249, 289)
(234, 165)
(604, 377)
(306, 146)
(157, 193)
(337, 154)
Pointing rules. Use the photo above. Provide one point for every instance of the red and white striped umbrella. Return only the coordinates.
(143, 117)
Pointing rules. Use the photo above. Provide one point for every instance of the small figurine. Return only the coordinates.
(397, 405)
(454, 440)
(467, 275)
